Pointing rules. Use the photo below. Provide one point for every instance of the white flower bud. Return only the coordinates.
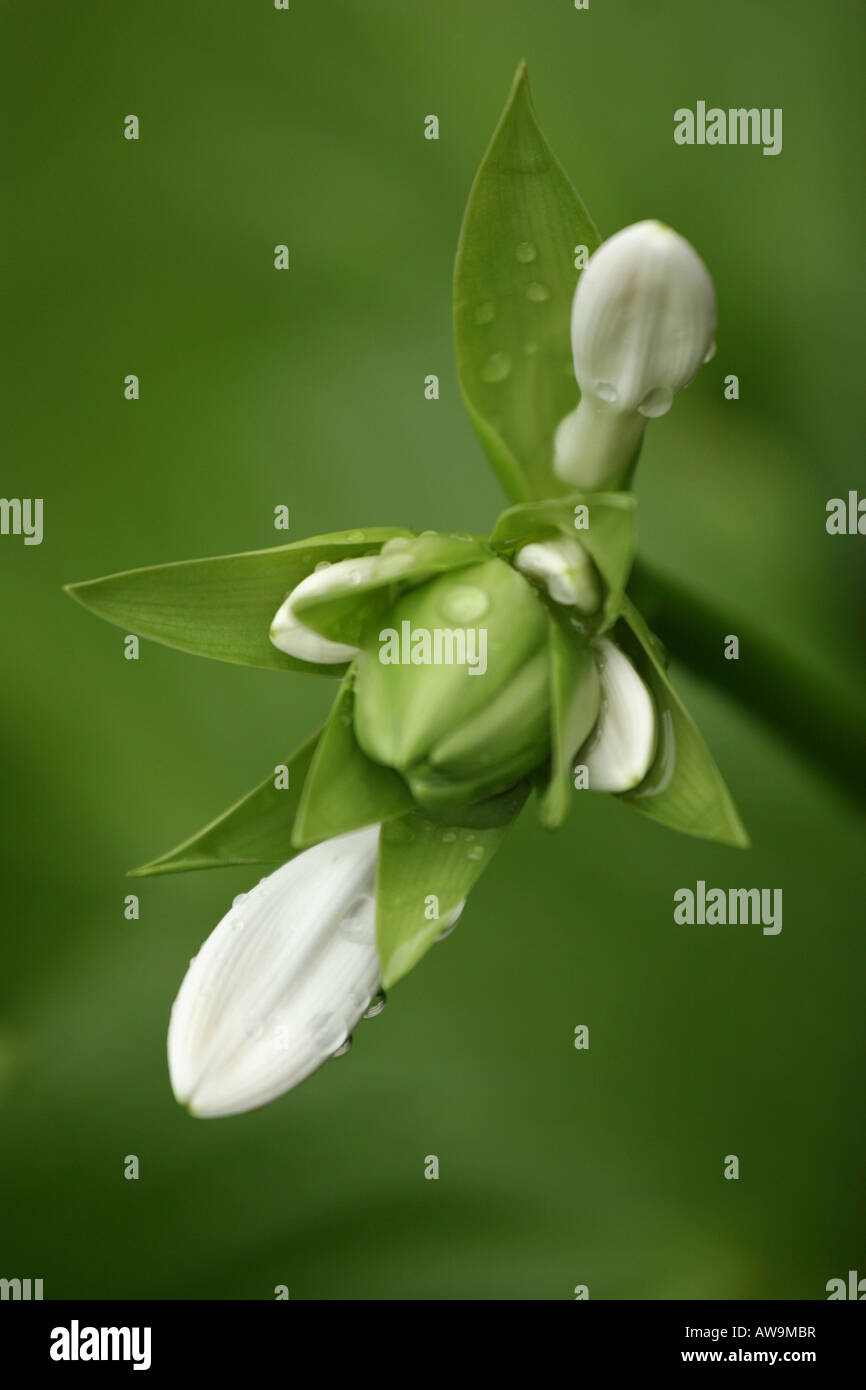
(281, 982)
(292, 636)
(565, 570)
(643, 321)
(620, 750)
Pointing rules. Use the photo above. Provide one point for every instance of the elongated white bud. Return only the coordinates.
(643, 321)
(620, 750)
(291, 636)
(565, 570)
(281, 982)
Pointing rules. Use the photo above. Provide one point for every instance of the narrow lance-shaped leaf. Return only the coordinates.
(223, 606)
(603, 523)
(256, 830)
(345, 789)
(514, 282)
(426, 868)
(683, 789)
(575, 694)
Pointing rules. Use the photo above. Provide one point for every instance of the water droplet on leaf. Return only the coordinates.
(465, 603)
(526, 252)
(496, 368)
(485, 313)
(537, 292)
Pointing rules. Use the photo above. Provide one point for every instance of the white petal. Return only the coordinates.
(643, 321)
(565, 569)
(281, 982)
(291, 636)
(620, 749)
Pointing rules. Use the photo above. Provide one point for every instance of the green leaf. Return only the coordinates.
(256, 830)
(514, 282)
(344, 788)
(222, 607)
(418, 858)
(683, 789)
(603, 522)
(341, 615)
(575, 695)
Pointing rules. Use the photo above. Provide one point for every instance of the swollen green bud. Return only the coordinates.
(453, 687)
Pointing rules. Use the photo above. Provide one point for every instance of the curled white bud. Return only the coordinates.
(565, 570)
(620, 750)
(281, 982)
(643, 321)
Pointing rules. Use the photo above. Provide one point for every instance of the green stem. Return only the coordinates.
(795, 704)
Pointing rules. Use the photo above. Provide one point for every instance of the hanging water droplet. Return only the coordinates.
(329, 1032)
(485, 313)
(526, 252)
(656, 402)
(376, 1004)
(451, 922)
(711, 352)
(530, 348)
(537, 292)
(465, 603)
(497, 367)
(343, 1048)
(322, 565)
(605, 391)
(359, 922)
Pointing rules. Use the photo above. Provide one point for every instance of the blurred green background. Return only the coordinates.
(305, 388)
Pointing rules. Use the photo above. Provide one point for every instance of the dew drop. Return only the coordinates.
(465, 603)
(343, 1048)
(537, 292)
(322, 565)
(475, 852)
(359, 922)
(656, 402)
(530, 348)
(449, 836)
(395, 544)
(253, 1027)
(329, 1032)
(605, 391)
(526, 252)
(376, 1004)
(711, 352)
(354, 536)
(497, 367)
(485, 313)
(241, 898)
(451, 922)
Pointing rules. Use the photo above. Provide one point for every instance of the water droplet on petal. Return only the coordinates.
(240, 898)
(465, 603)
(526, 252)
(537, 292)
(656, 402)
(395, 544)
(329, 1032)
(253, 1027)
(711, 352)
(605, 391)
(485, 313)
(359, 922)
(343, 1048)
(322, 565)
(376, 1004)
(496, 368)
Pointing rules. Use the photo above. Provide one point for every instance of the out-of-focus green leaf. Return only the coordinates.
(575, 694)
(222, 607)
(683, 789)
(425, 867)
(342, 614)
(603, 523)
(514, 282)
(344, 788)
(256, 830)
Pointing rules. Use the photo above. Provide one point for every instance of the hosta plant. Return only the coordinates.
(472, 672)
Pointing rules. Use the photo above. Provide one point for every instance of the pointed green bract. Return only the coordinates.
(344, 789)
(603, 523)
(575, 695)
(341, 615)
(683, 789)
(425, 866)
(223, 607)
(514, 282)
(256, 830)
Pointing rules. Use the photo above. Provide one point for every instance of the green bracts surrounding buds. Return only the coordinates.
(453, 685)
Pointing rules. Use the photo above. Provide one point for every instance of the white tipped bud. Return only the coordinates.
(565, 570)
(620, 749)
(643, 321)
(281, 982)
